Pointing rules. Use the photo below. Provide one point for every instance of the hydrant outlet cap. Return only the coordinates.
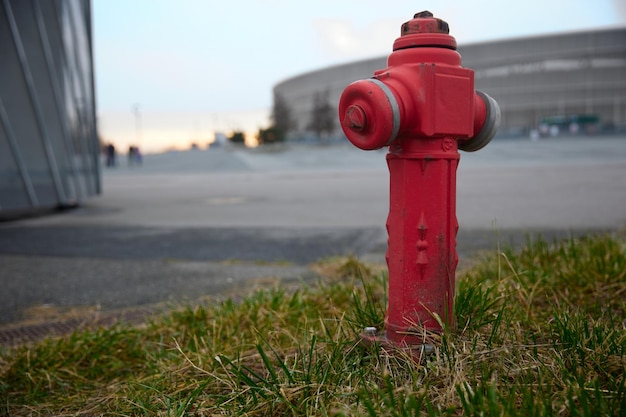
(489, 128)
(369, 114)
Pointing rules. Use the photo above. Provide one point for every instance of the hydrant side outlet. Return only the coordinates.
(486, 123)
(369, 114)
(424, 108)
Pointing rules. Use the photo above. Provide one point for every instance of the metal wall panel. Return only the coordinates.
(49, 151)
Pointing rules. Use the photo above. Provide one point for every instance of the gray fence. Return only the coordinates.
(49, 151)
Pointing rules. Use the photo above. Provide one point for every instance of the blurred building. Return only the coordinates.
(49, 151)
(573, 81)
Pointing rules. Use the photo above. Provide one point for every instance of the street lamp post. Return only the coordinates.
(136, 111)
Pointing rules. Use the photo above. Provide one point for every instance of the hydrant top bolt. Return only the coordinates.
(425, 13)
(425, 22)
(355, 118)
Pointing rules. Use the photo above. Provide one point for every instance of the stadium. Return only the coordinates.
(572, 83)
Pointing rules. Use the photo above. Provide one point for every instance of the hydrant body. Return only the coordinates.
(423, 106)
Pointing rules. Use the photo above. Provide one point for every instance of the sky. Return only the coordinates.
(173, 72)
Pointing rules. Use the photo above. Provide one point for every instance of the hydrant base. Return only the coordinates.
(416, 352)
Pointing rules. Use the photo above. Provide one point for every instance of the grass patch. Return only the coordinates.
(540, 332)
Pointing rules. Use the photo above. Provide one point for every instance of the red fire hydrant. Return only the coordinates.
(423, 106)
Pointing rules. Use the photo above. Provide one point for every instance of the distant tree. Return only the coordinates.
(270, 135)
(322, 115)
(237, 138)
(282, 120)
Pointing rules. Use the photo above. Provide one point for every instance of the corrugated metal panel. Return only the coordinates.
(49, 151)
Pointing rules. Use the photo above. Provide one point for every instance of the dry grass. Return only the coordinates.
(541, 332)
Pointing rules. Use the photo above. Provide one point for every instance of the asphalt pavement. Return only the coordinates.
(191, 224)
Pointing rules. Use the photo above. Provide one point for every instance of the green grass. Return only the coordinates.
(540, 332)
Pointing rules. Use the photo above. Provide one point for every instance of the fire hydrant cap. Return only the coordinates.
(424, 30)
(425, 22)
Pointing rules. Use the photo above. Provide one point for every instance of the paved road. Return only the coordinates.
(163, 231)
